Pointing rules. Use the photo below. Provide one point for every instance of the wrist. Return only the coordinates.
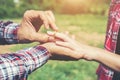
(46, 45)
(93, 54)
(90, 53)
(22, 36)
(10, 33)
(41, 47)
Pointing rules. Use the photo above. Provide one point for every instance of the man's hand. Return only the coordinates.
(31, 23)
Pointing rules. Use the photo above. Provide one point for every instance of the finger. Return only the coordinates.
(65, 44)
(39, 37)
(50, 13)
(66, 32)
(60, 36)
(73, 37)
(46, 24)
(52, 24)
(44, 19)
(51, 20)
(51, 33)
(64, 37)
(67, 47)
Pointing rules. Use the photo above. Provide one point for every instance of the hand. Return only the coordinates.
(82, 51)
(31, 23)
(61, 53)
(64, 40)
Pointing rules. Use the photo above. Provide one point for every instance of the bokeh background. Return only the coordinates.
(17, 7)
(86, 19)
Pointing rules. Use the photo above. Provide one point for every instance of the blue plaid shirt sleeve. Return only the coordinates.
(8, 32)
(17, 66)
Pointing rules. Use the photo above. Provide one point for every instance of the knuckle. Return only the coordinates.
(28, 12)
(41, 12)
(49, 12)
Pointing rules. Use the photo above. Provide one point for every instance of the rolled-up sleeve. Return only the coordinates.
(17, 66)
(8, 32)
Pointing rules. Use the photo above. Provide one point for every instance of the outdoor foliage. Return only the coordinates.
(12, 9)
(9, 9)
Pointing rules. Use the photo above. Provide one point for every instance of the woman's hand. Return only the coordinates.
(61, 53)
(69, 43)
(80, 50)
(31, 23)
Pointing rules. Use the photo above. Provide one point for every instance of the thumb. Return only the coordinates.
(42, 38)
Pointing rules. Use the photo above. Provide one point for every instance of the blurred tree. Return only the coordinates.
(99, 6)
(30, 4)
(6, 8)
(41, 4)
(9, 3)
(68, 6)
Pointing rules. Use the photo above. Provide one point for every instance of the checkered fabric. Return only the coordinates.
(18, 65)
(105, 73)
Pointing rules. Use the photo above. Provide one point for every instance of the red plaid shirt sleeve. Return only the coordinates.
(17, 66)
(8, 32)
(103, 72)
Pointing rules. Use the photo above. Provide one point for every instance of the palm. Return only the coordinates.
(31, 23)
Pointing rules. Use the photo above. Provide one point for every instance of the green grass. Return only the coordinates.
(87, 23)
(59, 70)
(89, 29)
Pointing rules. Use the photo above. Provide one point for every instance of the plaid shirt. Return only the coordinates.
(8, 33)
(17, 66)
(104, 73)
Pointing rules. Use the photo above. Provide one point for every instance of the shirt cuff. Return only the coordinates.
(10, 33)
(17, 66)
(34, 57)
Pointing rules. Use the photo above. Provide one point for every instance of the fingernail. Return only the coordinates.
(50, 33)
(57, 42)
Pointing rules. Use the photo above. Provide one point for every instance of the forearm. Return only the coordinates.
(105, 57)
(109, 59)
(17, 66)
